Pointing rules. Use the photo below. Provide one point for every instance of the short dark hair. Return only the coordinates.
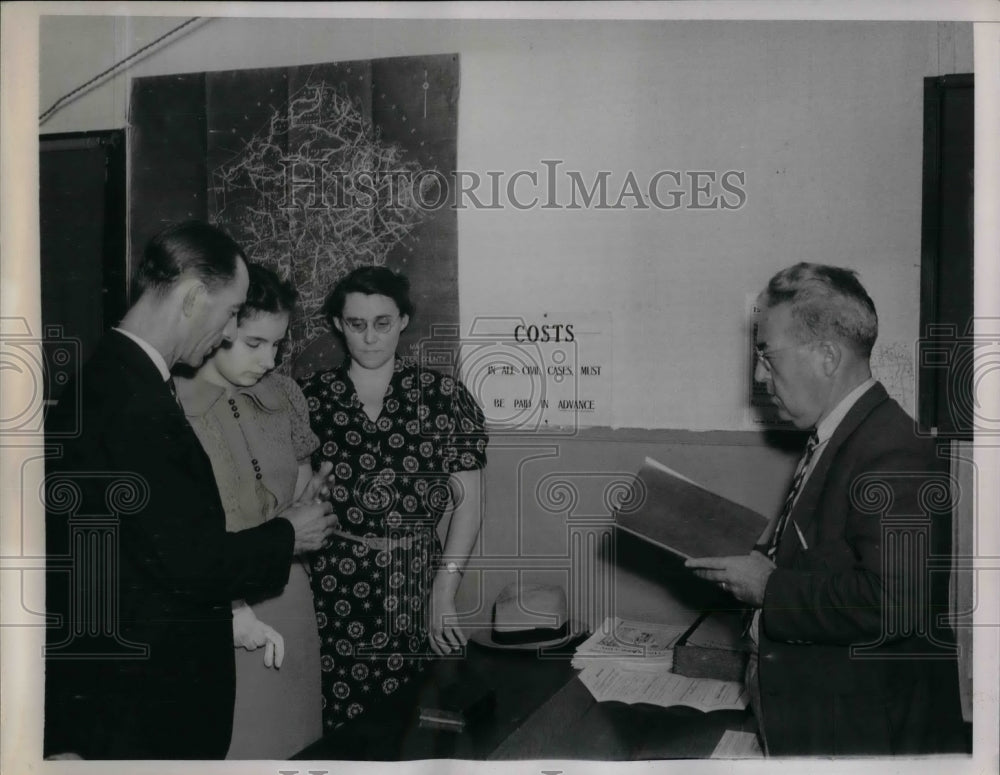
(267, 293)
(193, 247)
(827, 302)
(369, 280)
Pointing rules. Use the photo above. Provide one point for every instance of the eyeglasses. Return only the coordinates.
(764, 355)
(382, 324)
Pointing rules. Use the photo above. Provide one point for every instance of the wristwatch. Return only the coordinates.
(452, 567)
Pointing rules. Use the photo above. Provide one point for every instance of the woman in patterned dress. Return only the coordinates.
(254, 426)
(405, 442)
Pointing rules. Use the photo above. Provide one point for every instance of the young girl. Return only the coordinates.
(254, 425)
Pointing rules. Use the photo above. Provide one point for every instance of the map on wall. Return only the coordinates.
(892, 365)
(315, 170)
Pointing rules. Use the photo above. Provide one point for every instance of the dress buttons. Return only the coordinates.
(258, 476)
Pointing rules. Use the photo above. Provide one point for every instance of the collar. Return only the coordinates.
(198, 396)
(829, 423)
(154, 354)
(348, 397)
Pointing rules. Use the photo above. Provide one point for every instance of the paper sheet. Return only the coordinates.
(607, 682)
(737, 745)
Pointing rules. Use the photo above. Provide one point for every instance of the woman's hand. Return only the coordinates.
(446, 636)
(313, 524)
(250, 633)
(318, 485)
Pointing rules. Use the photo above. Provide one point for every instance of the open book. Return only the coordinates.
(684, 518)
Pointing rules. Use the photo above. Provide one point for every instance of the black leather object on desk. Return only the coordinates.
(521, 682)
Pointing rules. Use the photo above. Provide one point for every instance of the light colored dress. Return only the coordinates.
(256, 438)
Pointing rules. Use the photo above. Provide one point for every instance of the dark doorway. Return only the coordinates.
(947, 348)
(83, 274)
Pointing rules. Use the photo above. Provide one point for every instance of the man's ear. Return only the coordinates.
(193, 293)
(404, 321)
(338, 325)
(831, 353)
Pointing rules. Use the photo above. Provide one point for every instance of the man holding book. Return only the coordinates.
(849, 655)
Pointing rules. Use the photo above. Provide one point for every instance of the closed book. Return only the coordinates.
(675, 513)
(713, 647)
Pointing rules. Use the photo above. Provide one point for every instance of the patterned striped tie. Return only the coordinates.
(749, 614)
(793, 492)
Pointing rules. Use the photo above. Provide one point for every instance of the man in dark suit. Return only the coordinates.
(141, 571)
(849, 655)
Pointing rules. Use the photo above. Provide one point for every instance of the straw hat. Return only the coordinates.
(529, 616)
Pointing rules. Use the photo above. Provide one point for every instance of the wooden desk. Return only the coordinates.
(572, 725)
(542, 711)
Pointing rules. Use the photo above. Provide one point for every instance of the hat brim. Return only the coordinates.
(484, 637)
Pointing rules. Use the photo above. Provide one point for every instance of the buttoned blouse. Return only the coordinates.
(256, 438)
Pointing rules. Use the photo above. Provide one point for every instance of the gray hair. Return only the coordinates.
(827, 302)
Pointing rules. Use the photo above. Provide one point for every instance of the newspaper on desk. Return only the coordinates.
(629, 661)
(629, 643)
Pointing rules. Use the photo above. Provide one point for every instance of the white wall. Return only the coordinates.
(824, 118)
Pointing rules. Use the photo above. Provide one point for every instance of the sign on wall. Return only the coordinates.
(542, 375)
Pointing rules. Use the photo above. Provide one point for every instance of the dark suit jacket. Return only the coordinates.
(873, 512)
(142, 572)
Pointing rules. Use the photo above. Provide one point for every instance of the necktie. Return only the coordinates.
(793, 492)
(750, 614)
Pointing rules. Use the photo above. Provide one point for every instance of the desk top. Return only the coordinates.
(542, 711)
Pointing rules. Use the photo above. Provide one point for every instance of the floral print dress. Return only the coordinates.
(372, 586)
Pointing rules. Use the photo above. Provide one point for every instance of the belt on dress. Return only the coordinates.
(381, 543)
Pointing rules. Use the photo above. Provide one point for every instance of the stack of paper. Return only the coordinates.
(633, 644)
(608, 682)
(630, 661)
